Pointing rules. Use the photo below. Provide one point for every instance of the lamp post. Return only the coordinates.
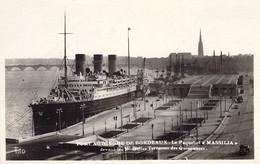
(186, 113)
(225, 100)
(82, 107)
(164, 124)
(154, 114)
(172, 123)
(181, 121)
(135, 114)
(177, 120)
(152, 131)
(163, 98)
(129, 119)
(148, 111)
(220, 105)
(197, 130)
(142, 119)
(191, 112)
(105, 125)
(180, 117)
(59, 111)
(204, 116)
(115, 118)
(144, 103)
(121, 117)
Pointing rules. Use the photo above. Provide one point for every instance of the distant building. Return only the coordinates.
(200, 47)
(186, 55)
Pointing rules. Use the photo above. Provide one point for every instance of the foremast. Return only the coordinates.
(65, 52)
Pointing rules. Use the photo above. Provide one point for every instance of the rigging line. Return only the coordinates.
(22, 115)
(56, 79)
(71, 66)
(58, 74)
(41, 81)
(36, 93)
(23, 130)
(18, 119)
(28, 110)
(61, 64)
(21, 134)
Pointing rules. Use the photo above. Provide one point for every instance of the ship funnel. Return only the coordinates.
(80, 64)
(111, 64)
(98, 59)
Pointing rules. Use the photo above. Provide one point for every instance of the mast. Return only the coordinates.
(175, 68)
(221, 61)
(170, 63)
(170, 66)
(65, 55)
(182, 66)
(214, 62)
(128, 51)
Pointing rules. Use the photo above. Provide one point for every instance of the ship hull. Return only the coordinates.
(46, 117)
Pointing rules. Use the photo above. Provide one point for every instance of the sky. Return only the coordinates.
(29, 29)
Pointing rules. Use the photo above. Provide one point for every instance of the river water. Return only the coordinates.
(20, 88)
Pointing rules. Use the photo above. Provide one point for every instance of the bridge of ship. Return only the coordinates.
(205, 86)
(34, 67)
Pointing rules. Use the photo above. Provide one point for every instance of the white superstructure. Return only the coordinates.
(98, 86)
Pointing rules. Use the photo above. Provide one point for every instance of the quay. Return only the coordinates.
(172, 117)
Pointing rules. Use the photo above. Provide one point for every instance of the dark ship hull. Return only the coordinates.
(46, 117)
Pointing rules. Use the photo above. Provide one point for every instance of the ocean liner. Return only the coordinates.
(83, 93)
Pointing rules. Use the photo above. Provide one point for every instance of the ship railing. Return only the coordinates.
(65, 101)
(45, 101)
